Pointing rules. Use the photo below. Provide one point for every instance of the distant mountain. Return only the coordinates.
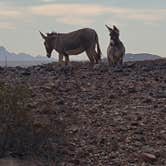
(19, 57)
(140, 57)
(22, 57)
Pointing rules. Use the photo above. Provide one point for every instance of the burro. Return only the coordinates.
(73, 43)
(116, 49)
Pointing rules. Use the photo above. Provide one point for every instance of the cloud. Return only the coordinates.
(9, 13)
(149, 15)
(10, 16)
(46, 1)
(7, 25)
(75, 21)
(82, 14)
(67, 9)
(91, 10)
(70, 14)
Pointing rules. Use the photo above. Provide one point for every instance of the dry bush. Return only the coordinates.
(19, 137)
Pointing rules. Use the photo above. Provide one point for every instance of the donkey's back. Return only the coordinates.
(81, 39)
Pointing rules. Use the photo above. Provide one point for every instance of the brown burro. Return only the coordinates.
(116, 49)
(73, 43)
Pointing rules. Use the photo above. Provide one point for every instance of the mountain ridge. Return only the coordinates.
(4, 53)
(18, 57)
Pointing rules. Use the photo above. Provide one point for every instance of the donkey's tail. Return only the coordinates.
(99, 53)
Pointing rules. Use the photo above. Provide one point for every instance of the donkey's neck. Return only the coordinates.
(116, 42)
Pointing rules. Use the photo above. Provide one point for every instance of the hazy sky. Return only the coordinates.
(142, 23)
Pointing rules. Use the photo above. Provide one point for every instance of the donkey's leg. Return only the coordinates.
(96, 55)
(60, 59)
(116, 60)
(111, 60)
(66, 59)
(111, 56)
(121, 61)
(90, 56)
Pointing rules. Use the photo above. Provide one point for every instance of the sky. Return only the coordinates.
(142, 23)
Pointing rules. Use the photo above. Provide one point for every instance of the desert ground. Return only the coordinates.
(97, 116)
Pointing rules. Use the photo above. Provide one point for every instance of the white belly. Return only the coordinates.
(113, 51)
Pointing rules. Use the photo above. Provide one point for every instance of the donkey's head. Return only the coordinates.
(114, 32)
(48, 43)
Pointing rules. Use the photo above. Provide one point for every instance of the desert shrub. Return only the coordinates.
(13, 119)
(19, 136)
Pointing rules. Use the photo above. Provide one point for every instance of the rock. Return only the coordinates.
(118, 69)
(147, 69)
(162, 93)
(25, 72)
(148, 100)
(148, 157)
(1, 68)
(74, 129)
(130, 65)
(132, 90)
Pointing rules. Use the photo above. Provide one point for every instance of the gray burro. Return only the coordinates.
(73, 43)
(116, 49)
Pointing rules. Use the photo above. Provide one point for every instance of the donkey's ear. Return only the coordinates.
(110, 29)
(42, 35)
(115, 28)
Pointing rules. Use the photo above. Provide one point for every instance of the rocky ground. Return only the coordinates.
(102, 117)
